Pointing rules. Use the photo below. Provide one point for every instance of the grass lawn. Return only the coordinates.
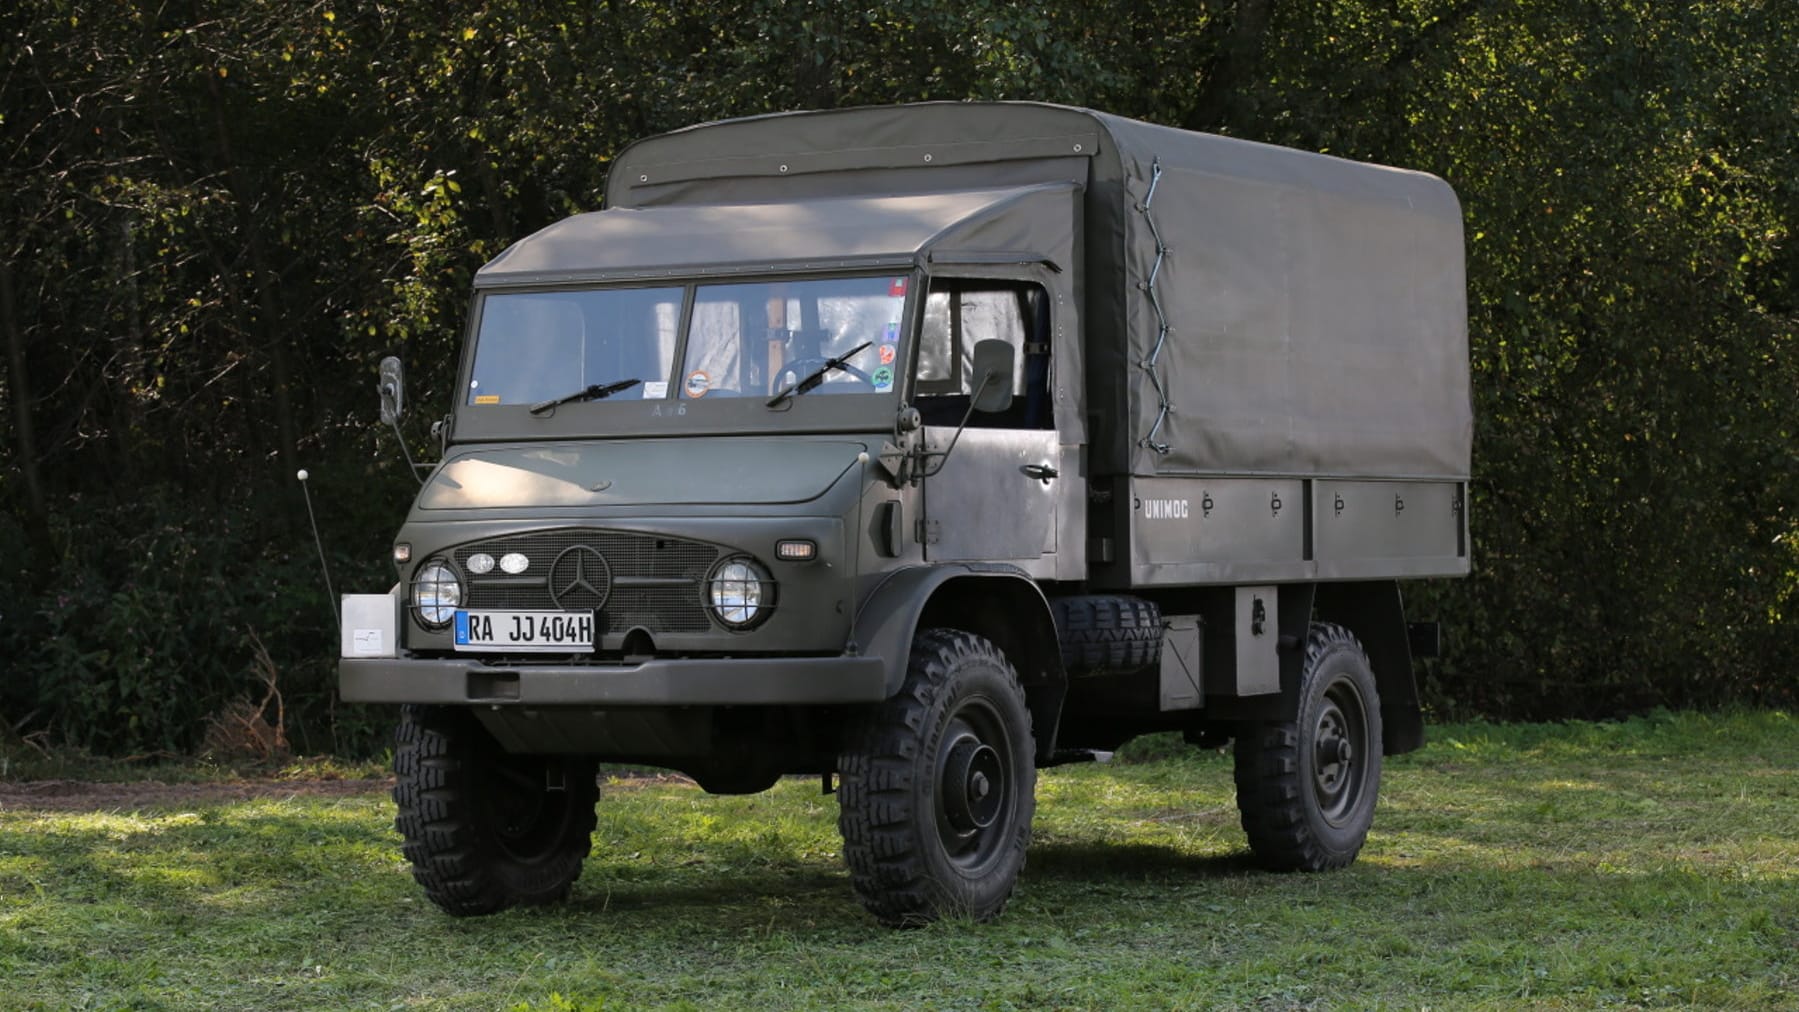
(1652, 863)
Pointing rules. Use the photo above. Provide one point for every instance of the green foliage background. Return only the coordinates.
(217, 218)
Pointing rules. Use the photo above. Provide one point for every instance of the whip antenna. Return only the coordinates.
(319, 543)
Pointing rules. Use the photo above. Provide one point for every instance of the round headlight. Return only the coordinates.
(436, 593)
(740, 592)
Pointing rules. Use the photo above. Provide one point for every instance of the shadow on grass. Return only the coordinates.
(1089, 862)
(799, 888)
(797, 897)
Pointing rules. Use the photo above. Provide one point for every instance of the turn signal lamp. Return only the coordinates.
(796, 551)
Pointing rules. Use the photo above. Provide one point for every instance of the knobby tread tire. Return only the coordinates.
(1275, 797)
(1107, 633)
(446, 831)
(890, 836)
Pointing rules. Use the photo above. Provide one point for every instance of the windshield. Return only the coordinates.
(537, 346)
(754, 340)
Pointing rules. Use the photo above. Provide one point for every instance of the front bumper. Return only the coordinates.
(739, 681)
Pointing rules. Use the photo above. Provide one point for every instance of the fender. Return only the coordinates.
(998, 602)
(1375, 612)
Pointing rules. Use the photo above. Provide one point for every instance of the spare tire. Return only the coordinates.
(1107, 633)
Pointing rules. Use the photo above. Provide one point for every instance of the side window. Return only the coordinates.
(960, 313)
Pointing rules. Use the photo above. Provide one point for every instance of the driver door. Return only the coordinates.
(993, 496)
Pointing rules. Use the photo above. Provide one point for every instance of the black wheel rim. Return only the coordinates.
(1340, 750)
(525, 813)
(976, 785)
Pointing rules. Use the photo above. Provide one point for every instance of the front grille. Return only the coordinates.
(655, 582)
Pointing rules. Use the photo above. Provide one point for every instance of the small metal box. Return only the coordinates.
(371, 625)
(1182, 686)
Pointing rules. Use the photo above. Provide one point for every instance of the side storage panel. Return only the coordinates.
(1406, 524)
(1217, 531)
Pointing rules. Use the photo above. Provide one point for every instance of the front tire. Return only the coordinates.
(483, 828)
(1306, 788)
(936, 786)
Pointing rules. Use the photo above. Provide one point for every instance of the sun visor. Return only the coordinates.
(820, 234)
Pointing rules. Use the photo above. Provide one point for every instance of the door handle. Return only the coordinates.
(1042, 472)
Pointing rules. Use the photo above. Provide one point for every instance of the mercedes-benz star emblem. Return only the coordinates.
(580, 578)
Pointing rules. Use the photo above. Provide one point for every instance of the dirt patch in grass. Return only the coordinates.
(84, 796)
(137, 795)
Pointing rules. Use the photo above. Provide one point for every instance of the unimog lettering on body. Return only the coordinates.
(919, 448)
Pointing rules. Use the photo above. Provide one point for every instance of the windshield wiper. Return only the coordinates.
(817, 376)
(597, 392)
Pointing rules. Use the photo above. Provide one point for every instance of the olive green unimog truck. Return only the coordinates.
(917, 449)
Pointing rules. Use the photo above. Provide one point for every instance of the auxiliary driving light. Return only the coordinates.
(436, 593)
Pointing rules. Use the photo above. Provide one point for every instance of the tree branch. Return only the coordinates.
(1238, 60)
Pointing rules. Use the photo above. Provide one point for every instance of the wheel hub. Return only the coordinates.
(971, 789)
(527, 802)
(1337, 747)
(1335, 751)
(1332, 754)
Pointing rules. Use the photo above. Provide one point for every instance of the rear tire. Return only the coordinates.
(936, 786)
(1306, 789)
(483, 828)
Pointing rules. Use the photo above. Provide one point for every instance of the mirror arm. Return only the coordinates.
(943, 455)
(406, 451)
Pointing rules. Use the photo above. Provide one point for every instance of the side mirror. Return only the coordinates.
(993, 361)
(392, 386)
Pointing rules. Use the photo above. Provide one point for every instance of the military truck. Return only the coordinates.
(920, 448)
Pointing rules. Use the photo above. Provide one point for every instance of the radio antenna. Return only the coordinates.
(319, 543)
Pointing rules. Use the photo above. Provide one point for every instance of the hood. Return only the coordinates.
(640, 473)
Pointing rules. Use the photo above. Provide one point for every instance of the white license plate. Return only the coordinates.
(548, 631)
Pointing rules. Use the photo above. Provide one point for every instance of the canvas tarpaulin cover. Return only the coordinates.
(1260, 311)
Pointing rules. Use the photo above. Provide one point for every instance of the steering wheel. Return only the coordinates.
(800, 368)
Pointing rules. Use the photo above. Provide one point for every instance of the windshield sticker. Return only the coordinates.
(883, 379)
(697, 384)
(898, 288)
(887, 353)
(487, 398)
(891, 334)
(655, 391)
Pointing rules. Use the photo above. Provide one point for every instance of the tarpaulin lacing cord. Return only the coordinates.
(1155, 302)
